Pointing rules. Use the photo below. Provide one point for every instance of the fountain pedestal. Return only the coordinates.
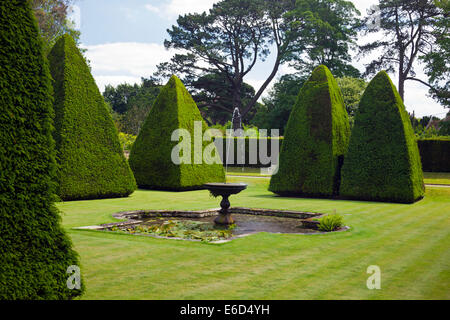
(225, 190)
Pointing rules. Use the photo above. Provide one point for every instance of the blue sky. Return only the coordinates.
(124, 39)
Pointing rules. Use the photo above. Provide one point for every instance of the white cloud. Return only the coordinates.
(74, 17)
(173, 8)
(255, 83)
(125, 61)
(178, 7)
(363, 5)
(103, 81)
(417, 100)
(152, 8)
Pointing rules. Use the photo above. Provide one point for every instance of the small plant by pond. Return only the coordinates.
(184, 229)
(331, 222)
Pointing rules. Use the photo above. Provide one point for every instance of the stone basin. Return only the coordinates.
(225, 190)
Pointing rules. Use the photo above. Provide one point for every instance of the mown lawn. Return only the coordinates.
(437, 178)
(247, 171)
(410, 243)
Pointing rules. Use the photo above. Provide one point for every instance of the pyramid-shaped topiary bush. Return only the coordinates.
(152, 153)
(35, 252)
(316, 140)
(91, 163)
(383, 161)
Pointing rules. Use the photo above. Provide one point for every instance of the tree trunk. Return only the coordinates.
(252, 103)
(401, 86)
(401, 77)
(237, 95)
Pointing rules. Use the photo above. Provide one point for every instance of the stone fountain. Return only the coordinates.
(225, 190)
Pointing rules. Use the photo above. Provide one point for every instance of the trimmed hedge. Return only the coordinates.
(383, 162)
(435, 154)
(316, 140)
(151, 154)
(91, 164)
(34, 249)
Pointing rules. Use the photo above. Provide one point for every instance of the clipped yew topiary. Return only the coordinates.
(91, 164)
(35, 252)
(383, 162)
(315, 141)
(151, 154)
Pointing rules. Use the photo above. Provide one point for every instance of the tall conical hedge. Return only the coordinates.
(91, 163)
(151, 154)
(383, 161)
(316, 140)
(35, 252)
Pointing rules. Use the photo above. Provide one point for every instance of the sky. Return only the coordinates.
(125, 41)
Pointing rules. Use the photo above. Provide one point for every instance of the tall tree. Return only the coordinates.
(228, 41)
(214, 98)
(437, 60)
(329, 33)
(235, 34)
(276, 108)
(407, 28)
(53, 21)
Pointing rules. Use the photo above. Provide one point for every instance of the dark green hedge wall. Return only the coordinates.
(91, 164)
(235, 145)
(35, 252)
(383, 162)
(316, 140)
(150, 156)
(435, 154)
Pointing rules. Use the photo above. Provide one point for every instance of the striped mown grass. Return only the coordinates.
(437, 178)
(410, 243)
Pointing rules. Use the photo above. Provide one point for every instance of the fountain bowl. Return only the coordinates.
(224, 190)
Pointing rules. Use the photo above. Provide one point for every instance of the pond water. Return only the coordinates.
(244, 224)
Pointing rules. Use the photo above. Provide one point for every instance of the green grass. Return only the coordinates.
(247, 171)
(437, 178)
(410, 243)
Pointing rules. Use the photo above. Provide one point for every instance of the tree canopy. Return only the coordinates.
(411, 30)
(275, 110)
(214, 97)
(330, 31)
(236, 34)
(437, 60)
(130, 104)
(52, 17)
